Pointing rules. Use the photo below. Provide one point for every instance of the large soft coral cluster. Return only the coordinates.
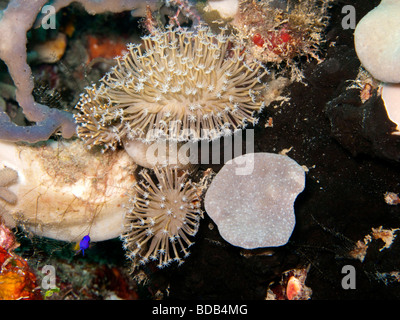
(183, 86)
(163, 214)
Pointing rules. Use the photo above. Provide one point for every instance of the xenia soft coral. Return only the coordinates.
(162, 217)
(180, 85)
(15, 21)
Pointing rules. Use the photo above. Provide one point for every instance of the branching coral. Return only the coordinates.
(184, 85)
(13, 53)
(15, 21)
(162, 214)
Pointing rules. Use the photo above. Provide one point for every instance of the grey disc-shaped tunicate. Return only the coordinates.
(377, 41)
(251, 199)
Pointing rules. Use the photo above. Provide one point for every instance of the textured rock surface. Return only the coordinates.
(255, 209)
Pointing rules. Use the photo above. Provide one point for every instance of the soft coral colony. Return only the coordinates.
(186, 85)
(161, 217)
(179, 85)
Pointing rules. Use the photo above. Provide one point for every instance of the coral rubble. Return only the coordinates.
(283, 31)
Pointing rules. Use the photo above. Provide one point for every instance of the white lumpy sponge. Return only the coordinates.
(377, 41)
(251, 199)
(226, 8)
(391, 98)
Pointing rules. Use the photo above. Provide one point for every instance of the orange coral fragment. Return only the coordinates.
(53, 50)
(17, 281)
(281, 42)
(105, 48)
(69, 28)
(293, 287)
(258, 40)
(386, 235)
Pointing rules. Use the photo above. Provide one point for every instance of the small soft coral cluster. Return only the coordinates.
(163, 214)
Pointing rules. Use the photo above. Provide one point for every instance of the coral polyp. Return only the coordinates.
(180, 85)
(161, 217)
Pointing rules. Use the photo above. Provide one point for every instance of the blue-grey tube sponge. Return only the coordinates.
(15, 21)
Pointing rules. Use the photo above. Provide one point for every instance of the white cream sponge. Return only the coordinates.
(377, 41)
